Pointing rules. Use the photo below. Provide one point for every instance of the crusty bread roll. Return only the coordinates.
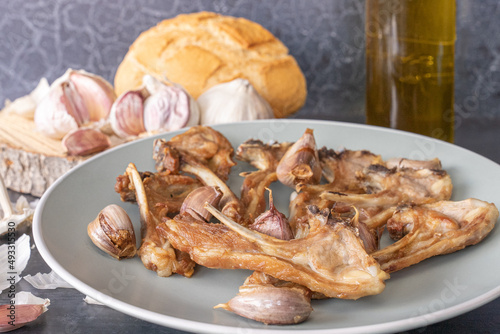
(203, 49)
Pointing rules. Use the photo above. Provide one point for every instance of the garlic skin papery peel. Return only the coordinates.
(233, 101)
(47, 281)
(23, 253)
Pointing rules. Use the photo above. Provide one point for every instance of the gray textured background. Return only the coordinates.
(43, 38)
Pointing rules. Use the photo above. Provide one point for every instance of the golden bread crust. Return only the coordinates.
(204, 49)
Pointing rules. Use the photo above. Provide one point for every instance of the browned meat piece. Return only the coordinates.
(262, 156)
(300, 163)
(390, 187)
(416, 185)
(375, 190)
(193, 164)
(433, 229)
(265, 157)
(125, 189)
(156, 252)
(330, 260)
(165, 188)
(229, 202)
(401, 163)
(342, 169)
(204, 144)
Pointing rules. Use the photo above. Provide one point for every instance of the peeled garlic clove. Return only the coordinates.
(300, 164)
(14, 316)
(60, 111)
(126, 116)
(270, 305)
(194, 203)
(168, 108)
(112, 231)
(233, 101)
(84, 141)
(97, 94)
(273, 223)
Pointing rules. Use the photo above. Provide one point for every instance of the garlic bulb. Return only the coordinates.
(153, 108)
(113, 232)
(74, 99)
(233, 101)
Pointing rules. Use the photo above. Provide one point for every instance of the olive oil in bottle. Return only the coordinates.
(410, 65)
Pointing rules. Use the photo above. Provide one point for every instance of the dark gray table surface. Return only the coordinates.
(68, 313)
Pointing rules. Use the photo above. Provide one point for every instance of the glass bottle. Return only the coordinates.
(410, 65)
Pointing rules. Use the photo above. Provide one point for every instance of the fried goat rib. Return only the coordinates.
(164, 188)
(342, 169)
(204, 144)
(264, 157)
(156, 252)
(330, 260)
(434, 229)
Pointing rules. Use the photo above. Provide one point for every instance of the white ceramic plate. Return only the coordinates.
(432, 291)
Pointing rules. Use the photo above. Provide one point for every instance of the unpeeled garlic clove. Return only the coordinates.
(112, 231)
(300, 164)
(233, 101)
(60, 111)
(97, 94)
(273, 223)
(85, 141)
(270, 305)
(73, 100)
(15, 316)
(126, 116)
(194, 203)
(168, 107)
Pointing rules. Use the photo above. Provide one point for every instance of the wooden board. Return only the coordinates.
(29, 161)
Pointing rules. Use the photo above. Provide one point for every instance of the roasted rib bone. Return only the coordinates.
(264, 157)
(342, 169)
(188, 163)
(330, 260)
(156, 253)
(164, 187)
(433, 229)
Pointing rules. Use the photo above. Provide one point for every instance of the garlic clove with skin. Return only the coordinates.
(233, 101)
(112, 231)
(300, 164)
(154, 107)
(74, 99)
(272, 222)
(60, 111)
(126, 116)
(194, 203)
(270, 305)
(84, 141)
(169, 107)
(23, 314)
(93, 88)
